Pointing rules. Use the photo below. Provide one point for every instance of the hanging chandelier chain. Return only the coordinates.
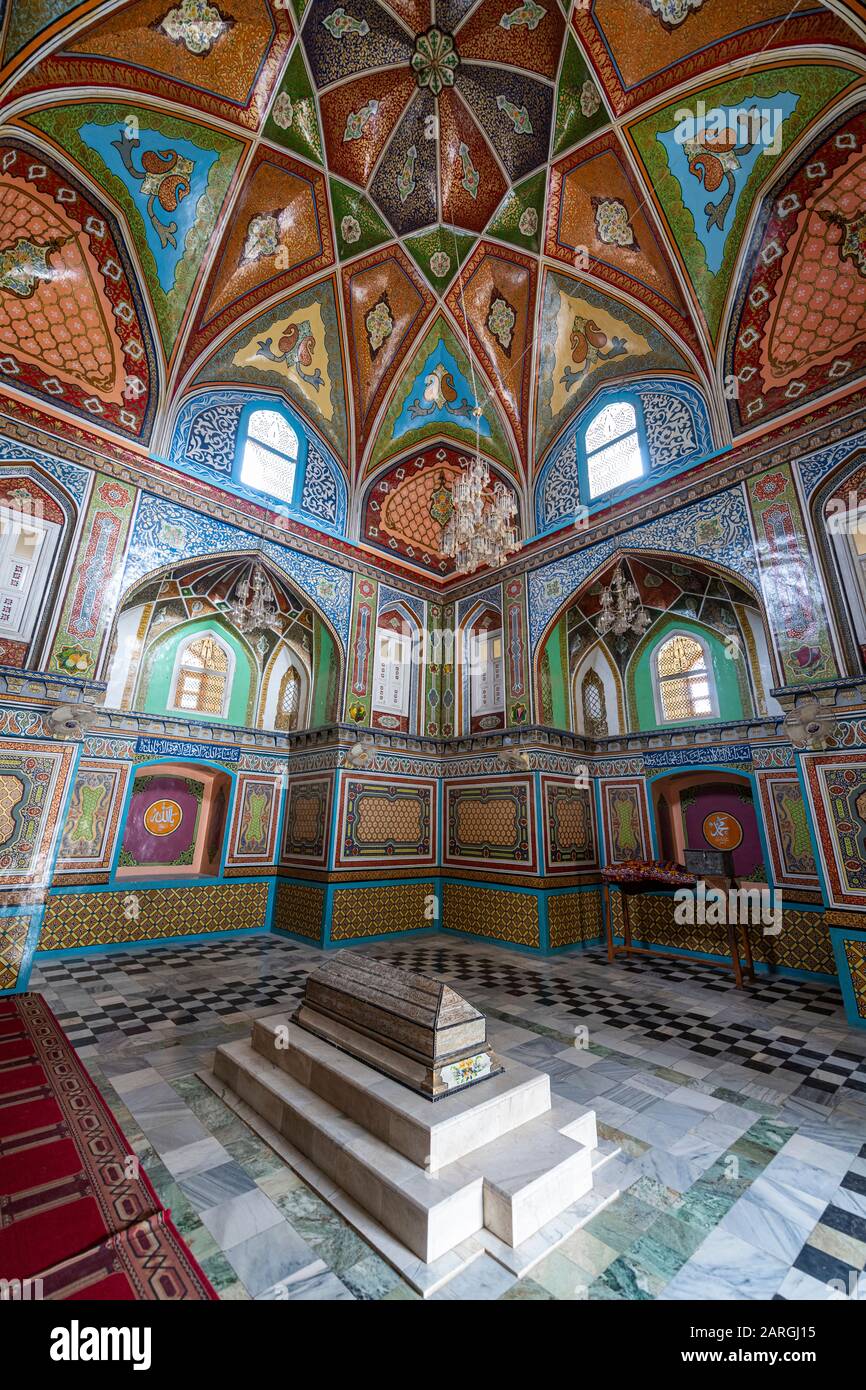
(621, 608)
(480, 530)
(252, 607)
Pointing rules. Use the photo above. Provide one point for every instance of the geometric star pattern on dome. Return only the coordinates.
(419, 225)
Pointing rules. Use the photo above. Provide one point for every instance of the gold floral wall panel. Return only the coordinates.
(837, 792)
(490, 822)
(298, 909)
(387, 820)
(391, 907)
(568, 825)
(151, 914)
(786, 821)
(496, 913)
(33, 783)
(307, 823)
(574, 917)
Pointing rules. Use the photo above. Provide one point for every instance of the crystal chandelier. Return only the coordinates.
(480, 530)
(621, 608)
(252, 605)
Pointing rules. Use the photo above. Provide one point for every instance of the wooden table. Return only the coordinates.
(639, 876)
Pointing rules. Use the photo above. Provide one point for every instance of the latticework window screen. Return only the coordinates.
(289, 700)
(683, 679)
(594, 707)
(202, 677)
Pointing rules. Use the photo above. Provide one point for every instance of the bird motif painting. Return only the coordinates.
(165, 178)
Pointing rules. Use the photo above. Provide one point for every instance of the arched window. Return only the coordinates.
(486, 657)
(392, 671)
(594, 706)
(612, 448)
(847, 530)
(202, 676)
(28, 541)
(269, 450)
(288, 700)
(683, 679)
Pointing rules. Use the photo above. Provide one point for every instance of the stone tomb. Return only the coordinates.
(410, 1027)
(491, 1167)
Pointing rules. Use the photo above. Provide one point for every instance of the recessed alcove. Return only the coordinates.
(174, 823)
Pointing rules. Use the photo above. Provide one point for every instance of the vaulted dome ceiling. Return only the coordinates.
(426, 225)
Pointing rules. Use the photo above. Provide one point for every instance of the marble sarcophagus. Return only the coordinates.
(414, 1029)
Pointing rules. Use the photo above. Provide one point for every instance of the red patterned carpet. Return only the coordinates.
(76, 1210)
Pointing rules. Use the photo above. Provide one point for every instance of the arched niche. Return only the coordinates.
(286, 686)
(37, 522)
(159, 609)
(481, 673)
(676, 591)
(710, 809)
(596, 682)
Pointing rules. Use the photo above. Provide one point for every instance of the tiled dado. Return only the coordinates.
(574, 917)
(848, 933)
(299, 908)
(497, 914)
(382, 909)
(150, 914)
(15, 929)
(803, 943)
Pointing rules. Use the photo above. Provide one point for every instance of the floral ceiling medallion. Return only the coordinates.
(434, 61)
(196, 24)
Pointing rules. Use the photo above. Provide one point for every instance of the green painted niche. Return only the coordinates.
(155, 691)
(639, 681)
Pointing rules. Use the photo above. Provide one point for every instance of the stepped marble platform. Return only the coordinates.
(495, 1169)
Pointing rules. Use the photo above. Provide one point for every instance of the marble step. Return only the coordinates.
(429, 1279)
(530, 1177)
(430, 1133)
(430, 1214)
(512, 1185)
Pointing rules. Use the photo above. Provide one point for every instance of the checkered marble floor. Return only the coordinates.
(741, 1116)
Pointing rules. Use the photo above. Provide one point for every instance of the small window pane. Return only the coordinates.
(267, 472)
(273, 429)
(679, 654)
(617, 464)
(614, 420)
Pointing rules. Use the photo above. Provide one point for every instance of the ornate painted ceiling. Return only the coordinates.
(430, 225)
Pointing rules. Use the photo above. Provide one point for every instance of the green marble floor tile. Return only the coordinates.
(371, 1278)
(401, 1293)
(758, 1153)
(629, 1280)
(527, 1291)
(234, 1293)
(278, 1185)
(254, 1156)
(737, 1098)
(704, 1205)
(650, 1190)
(561, 1277)
(219, 1272)
(620, 1224)
(681, 1238)
(208, 1109)
(769, 1133)
(591, 1255)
